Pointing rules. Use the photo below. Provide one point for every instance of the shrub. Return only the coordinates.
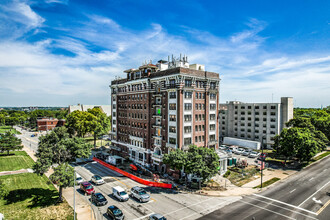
(226, 174)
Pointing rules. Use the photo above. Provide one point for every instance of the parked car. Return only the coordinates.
(229, 152)
(120, 193)
(87, 188)
(115, 213)
(240, 150)
(96, 179)
(223, 147)
(246, 153)
(157, 217)
(79, 179)
(254, 154)
(99, 199)
(140, 194)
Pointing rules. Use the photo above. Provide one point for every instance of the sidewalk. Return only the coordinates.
(4, 173)
(83, 209)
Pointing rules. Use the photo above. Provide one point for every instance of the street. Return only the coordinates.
(301, 196)
(170, 203)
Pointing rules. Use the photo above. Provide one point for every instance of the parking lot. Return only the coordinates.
(170, 203)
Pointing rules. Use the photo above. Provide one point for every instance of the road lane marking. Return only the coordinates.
(314, 193)
(317, 201)
(200, 212)
(282, 208)
(325, 170)
(323, 207)
(189, 206)
(292, 191)
(284, 203)
(311, 179)
(277, 213)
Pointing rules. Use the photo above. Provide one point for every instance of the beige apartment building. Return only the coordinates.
(254, 121)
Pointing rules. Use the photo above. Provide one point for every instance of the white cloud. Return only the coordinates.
(248, 72)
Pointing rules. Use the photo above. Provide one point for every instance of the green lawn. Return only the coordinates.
(15, 162)
(32, 197)
(4, 129)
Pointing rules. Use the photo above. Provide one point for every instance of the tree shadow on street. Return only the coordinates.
(38, 197)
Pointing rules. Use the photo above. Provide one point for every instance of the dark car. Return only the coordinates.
(99, 199)
(115, 213)
(87, 187)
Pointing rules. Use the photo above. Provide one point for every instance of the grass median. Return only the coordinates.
(268, 182)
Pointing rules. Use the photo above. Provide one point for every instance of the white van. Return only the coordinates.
(120, 193)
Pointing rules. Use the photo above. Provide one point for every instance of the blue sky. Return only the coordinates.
(61, 52)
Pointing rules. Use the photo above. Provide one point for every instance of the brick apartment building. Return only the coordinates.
(47, 124)
(161, 107)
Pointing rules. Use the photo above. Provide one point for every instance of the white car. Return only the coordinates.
(246, 153)
(96, 179)
(79, 179)
(240, 151)
(254, 154)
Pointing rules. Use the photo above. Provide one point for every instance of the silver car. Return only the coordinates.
(140, 194)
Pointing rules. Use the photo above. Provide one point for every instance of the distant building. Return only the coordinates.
(254, 121)
(105, 108)
(47, 124)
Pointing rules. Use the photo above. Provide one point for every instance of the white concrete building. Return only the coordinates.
(105, 108)
(254, 121)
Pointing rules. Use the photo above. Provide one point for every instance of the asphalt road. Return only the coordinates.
(170, 203)
(301, 196)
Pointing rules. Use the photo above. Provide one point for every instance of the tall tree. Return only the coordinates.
(8, 142)
(80, 123)
(102, 124)
(57, 149)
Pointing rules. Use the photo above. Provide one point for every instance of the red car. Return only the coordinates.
(86, 187)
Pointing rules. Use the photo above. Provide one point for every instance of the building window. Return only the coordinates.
(187, 106)
(272, 113)
(172, 117)
(172, 129)
(187, 141)
(213, 106)
(212, 127)
(172, 140)
(272, 107)
(212, 137)
(187, 129)
(212, 116)
(187, 118)
(213, 96)
(187, 95)
(212, 85)
(172, 95)
(195, 138)
(172, 106)
(187, 83)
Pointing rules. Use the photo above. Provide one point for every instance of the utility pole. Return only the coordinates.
(74, 194)
(262, 159)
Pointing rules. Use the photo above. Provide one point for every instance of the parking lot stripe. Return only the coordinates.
(145, 216)
(284, 203)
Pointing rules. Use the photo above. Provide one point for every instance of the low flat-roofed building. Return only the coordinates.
(47, 124)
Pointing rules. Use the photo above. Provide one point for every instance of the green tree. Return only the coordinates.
(8, 142)
(80, 123)
(58, 149)
(62, 177)
(3, 190)
(177, 159)
(101, 125)
(203, 162)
